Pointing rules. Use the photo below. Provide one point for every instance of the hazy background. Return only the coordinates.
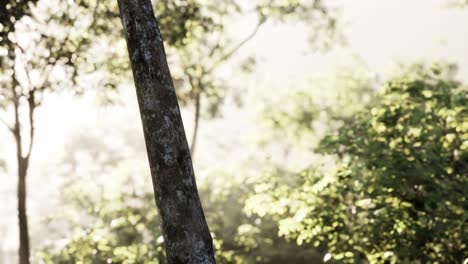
(378, 34)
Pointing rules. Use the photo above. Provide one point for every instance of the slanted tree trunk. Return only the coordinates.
(186, 234)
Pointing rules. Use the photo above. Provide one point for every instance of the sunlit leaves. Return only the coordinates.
(399, 193)
(122, 229)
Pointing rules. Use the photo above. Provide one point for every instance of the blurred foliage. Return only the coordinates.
(458, 3)
(396, 193)
(119, 229)
(10, 12)
(78, 45)
(50, 46)
(198, 39)
(238, 238)
(55, 44)
(123, 228)
(327, 102)
(208, 47)
(399, 191)
(2, 165)
(321, 18)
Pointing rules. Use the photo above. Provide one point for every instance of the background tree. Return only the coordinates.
(211, 47)
(10, 12)
(199, 41)
(39, 61)
(33, 66)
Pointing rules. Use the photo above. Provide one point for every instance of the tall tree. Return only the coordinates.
(204, 89)
(32, 67)
(11, 11)
(186, 234)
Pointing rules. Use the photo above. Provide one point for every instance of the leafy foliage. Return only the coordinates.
(123, 228)
(116, 232)
(399, 193)
(327, 101)
(10, 12)
(198, 42)
(211, 45)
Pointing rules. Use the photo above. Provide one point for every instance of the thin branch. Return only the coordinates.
(26, 72)
(197, 90)
(239, 45)
(7, 125)
(32, 106)
(196, 124)
(196, 87)
(17, 126)
(218, 41)
(215, 47)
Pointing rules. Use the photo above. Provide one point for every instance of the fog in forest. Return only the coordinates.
(328, 131)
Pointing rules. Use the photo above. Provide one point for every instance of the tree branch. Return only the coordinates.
(6, 125)
(26, 72)
(238, 46)
(195, 125)
(32, 106)
(17, 126)
(197, 90)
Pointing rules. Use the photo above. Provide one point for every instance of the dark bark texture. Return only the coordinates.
(186, 234)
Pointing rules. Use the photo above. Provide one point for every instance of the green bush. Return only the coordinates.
(399, 192)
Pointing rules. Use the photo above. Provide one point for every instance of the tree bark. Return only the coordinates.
(23, 164)
(24, 251)
(186, 234)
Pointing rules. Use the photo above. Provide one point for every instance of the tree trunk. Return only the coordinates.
(23, 164)
(186, 234)
(22, 216)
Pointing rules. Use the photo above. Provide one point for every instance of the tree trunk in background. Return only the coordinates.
(22, 216)
(186, 234)
(23, 164)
